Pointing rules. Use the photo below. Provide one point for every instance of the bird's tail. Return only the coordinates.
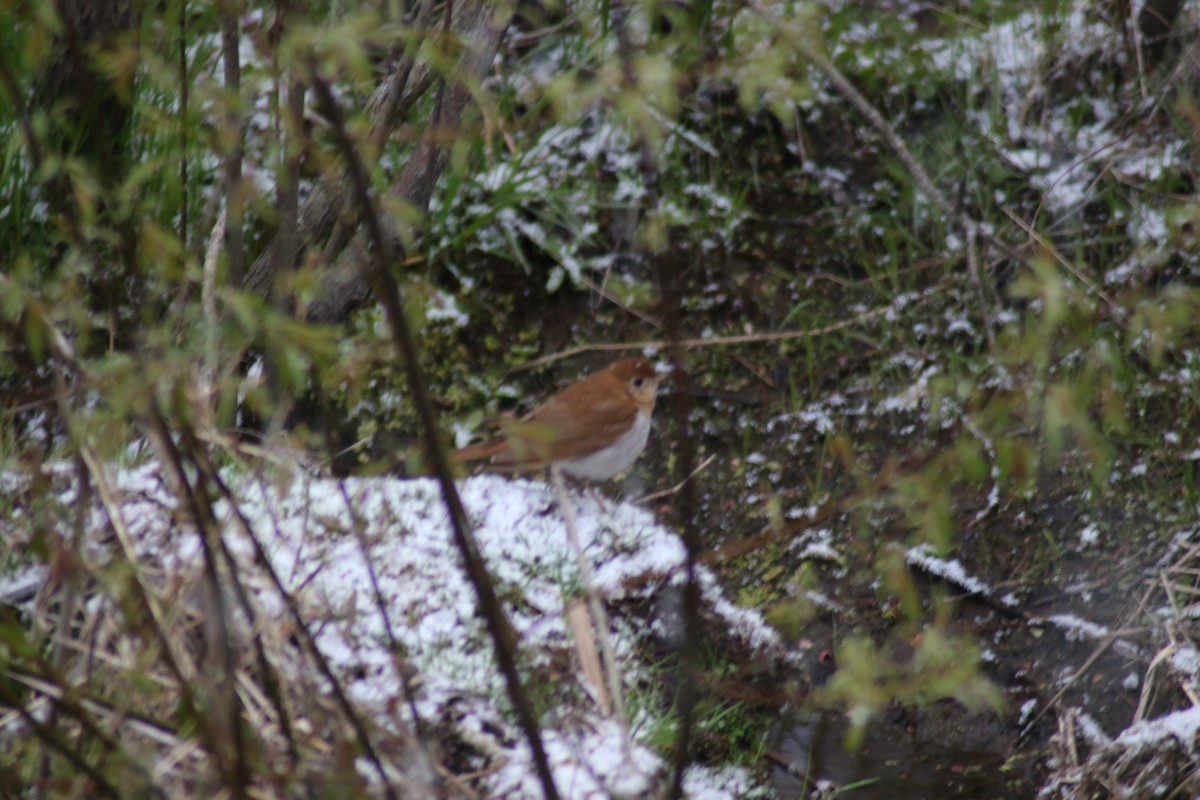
(479, 452)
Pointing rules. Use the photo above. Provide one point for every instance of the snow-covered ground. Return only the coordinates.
(332, 541)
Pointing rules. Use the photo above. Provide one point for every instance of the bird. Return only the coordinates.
(592, 430)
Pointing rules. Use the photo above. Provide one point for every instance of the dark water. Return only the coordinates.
(935, 754)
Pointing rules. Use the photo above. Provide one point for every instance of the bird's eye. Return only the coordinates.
(638, 382)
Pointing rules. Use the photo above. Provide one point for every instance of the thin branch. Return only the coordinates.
(319, 218)
(668, 276)
(208, 532)
(595, 607)
(263, 559)
(269, 676)
(56, 742)
(184, 99)
(650, 498)
(1049, 247)
(890, 473)
(207, 378)
(235, 248)
(905, 301)
(378, 273)
(383, 257)
(72, 702)
(404, 672)
(295, 140)
(968, 227)
(181, 667)
(80, 703)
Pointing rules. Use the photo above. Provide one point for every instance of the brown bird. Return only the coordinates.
(592, 429)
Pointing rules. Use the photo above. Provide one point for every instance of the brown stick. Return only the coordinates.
(384, 252)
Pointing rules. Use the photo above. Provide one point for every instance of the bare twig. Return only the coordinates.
(1110, 639)
(595, 606)
(178, 662)
(668, 275)
(230, 11)
(891, 472)
(476, 24)
(580, 624)
(207, 378)
(746, 338)
(404, 672)
(80, 703)
(968, 227)
(602, 292)
(232, 757)
(262, 558)
(377, 272)
(1118, 310)
(185, 85)
(52, 738)
(650, 498)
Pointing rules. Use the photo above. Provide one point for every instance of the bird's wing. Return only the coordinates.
(578, 423)
(479, 452)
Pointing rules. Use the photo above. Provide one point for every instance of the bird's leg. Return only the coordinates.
(588, 488)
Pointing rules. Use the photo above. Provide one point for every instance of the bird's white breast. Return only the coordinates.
(608, 461)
